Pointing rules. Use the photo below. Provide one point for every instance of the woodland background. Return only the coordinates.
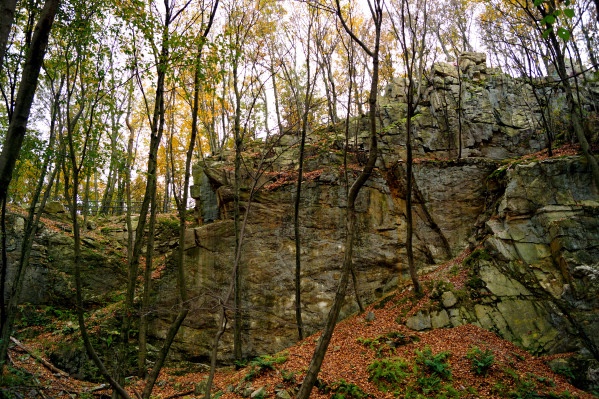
(107, 104)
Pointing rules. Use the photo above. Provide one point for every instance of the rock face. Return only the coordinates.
(534, 279)
(535, 285)
(537, 282)
(49, 277)
(445, 221)
(490, 113)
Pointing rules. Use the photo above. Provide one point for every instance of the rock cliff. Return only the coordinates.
(534, 282)
(534, 278)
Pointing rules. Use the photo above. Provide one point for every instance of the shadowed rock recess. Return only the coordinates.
(535, 276)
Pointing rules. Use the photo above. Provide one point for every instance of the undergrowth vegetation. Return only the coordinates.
(429, 375)
(262, 364)
(481, 360)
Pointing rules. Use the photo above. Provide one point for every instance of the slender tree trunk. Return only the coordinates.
(10, 152)
(223, 320)
(121, 353)
(7, 16)
(184, 307)
(113, 170)
(75, 170)
(325, 337)
(277, 106)
(409, 215)
(3, 273)
(459, 111)
(29, 78)
(591, 49)
(237, 322)
(222, 326)
(149, 201)
(298, 192)
(574, 108)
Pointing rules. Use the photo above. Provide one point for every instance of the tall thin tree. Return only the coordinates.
(376, 11)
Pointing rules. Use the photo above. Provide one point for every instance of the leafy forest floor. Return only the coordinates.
(372, 354)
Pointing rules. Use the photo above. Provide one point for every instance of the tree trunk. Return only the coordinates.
(325, 337)
(7, 17)
(29, 78)
(75, 169)
(574, 108)
(149, 199)
(12, 147)
(409, 215)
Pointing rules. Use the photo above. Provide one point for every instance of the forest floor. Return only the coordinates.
(372, 354)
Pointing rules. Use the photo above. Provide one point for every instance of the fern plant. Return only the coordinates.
(346, 390)
(434, 363)
(387, 374)
(481, 360)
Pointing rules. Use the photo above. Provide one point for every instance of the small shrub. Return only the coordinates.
(386, 374)
(525, 389)
(474, 282)
(563, 395)
(564, 370)
(511, 373)
(439, 287)
(499, 388)
(481, 360)
(449, 392)
(366, 341)
(15, 377)
(475, 257)
(434, 364)
(381, 304)
(543, 380)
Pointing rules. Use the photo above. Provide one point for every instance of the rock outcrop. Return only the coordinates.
(534, 281)
(49, 277)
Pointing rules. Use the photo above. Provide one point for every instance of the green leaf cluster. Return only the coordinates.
(434, 364)
(481, 360)
(552, 15)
